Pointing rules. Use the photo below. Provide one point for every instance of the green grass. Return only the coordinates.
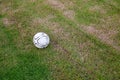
(73, 54)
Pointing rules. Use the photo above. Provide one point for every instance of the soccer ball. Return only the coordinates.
(41, 40)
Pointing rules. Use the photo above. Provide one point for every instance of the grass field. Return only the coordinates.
(85, 39)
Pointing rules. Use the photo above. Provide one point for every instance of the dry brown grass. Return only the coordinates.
(97, 8)
(106, 36)
(56, 4)
(69, 14)
(62, 7)
(54, 27)
(32, 0)
(8, 22)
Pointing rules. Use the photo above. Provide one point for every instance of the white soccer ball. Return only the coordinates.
(41, 40)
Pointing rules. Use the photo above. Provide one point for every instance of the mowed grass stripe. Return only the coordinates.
(106, 48)
(74, 25)
(95, 18)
